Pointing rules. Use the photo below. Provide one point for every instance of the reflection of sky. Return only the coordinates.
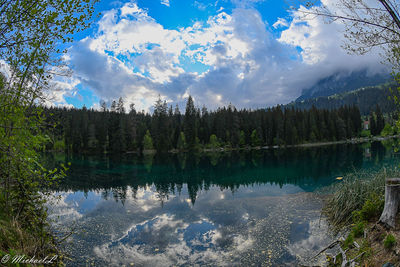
(255, 224)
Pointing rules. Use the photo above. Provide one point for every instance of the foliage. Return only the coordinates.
(348, 241)
(358, 229)
(189, 123)
(365, 98)
(147, 141)
(32, 34)
(371, 209)
(23, 178)
(90, 131)
(242, 139)
(377, 122)
(365, 133)
(59, 145)
(387, 130)
(359, 191)
(389, 242)
(254, 137)
(214, 141)
(181, 145)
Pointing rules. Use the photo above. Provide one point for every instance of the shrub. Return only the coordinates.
(214, 142)
(349, 241)
(147, 141)
(365, 133)
(358, 230)
(371, 209)
(59, 145)
(389, 241)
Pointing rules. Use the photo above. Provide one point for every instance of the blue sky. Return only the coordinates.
(252, 53)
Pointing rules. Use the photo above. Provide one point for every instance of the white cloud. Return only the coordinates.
(135, 57)
(321, 42)
(165, 2)
(280, 23)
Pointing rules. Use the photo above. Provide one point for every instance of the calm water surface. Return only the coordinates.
(224, 209)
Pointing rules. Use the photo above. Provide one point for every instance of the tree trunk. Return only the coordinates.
(392, 200)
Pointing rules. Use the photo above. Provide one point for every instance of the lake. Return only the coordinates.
(239, 208)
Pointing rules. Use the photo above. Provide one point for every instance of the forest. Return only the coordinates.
(115, 130)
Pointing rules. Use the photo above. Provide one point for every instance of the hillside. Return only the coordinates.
(365, 98)
(342, 82)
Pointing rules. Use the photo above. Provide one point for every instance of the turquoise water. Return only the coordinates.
(223, 209)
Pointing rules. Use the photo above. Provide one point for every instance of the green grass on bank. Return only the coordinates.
(359, 196)
(354, 208)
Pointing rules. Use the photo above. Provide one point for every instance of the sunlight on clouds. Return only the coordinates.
(129, 9)
(321, 42)
(135, 57)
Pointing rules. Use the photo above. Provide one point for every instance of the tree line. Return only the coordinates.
(115, 130)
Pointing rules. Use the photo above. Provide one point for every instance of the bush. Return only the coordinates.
(389, 241)
(147, 141)
(358, 230)
(388, 130)
(365, 133)
(214, 142)
(349, 241)
(59, 145)
(371, 209)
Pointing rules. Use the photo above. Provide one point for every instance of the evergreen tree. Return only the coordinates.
(189, 124)
(242, 139)
(120, 106)
(181, 145)
(380, 121)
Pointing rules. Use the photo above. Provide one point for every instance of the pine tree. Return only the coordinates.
(380, 121)
(255, 140)
(181, 145)
(120, 106)
(189, 124)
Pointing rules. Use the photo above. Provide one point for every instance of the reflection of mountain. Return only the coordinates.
(306, 168)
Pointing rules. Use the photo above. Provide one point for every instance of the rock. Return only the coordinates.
(387, 264)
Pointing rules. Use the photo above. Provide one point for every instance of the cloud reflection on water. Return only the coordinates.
(239, 229)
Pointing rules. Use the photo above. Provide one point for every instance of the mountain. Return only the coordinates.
(341, 82)
(365, 98)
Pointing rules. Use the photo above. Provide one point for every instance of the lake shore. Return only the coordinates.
(316, 144)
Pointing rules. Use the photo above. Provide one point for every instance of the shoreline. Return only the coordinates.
(357, 140)
(316, 144)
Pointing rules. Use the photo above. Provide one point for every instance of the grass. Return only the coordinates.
(355, 204)
(389, 242)
(358, 197)
(16, 240)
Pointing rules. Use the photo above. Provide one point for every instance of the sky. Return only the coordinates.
(250, 53)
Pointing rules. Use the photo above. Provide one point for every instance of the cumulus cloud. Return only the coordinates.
(165, 2)
(320, 41)
(135, 57)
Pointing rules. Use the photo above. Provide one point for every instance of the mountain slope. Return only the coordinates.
(343, 82)
(365, 98)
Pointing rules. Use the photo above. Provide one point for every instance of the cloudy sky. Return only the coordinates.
(252, 53)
